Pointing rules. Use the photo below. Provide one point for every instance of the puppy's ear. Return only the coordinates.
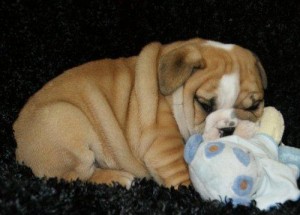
(262, 72)
(176, 66)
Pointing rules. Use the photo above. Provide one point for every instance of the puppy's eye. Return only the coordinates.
(208, 106)
(253, 107)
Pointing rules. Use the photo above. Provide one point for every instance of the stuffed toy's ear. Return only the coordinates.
(272, 124)
(191, 147)
(289, 155)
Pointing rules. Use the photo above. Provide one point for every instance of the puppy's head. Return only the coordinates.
(203, 76)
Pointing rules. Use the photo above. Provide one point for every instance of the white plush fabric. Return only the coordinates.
(243, 170)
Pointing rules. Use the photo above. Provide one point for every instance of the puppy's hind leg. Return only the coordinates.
(100, 176)
(58, 143)
(54, 141)
(108, 176)
(77, 137)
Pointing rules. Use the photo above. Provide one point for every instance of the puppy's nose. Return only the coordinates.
(226, 131)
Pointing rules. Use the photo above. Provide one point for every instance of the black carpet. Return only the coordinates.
(41, 39)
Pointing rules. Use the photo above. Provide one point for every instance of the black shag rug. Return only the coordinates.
(40, 39)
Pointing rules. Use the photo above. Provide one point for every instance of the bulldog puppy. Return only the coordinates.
(112, 120)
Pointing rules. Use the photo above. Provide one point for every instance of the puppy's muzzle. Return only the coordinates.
(226, 131)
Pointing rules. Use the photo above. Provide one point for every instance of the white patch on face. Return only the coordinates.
(227, 47)
(179, 113)
(228, 91)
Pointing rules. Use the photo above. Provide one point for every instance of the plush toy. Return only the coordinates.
(241, 170)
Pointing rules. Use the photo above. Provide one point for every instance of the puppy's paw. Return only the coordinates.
(123, 178)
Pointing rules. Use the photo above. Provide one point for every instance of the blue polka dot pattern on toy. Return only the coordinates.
(242, 185)
(242, 156)
(241, 201)
(214, 148)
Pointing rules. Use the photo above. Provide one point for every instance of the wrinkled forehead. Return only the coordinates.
(228, 53)
(234, 70)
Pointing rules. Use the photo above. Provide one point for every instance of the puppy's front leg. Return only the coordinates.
(165, 161)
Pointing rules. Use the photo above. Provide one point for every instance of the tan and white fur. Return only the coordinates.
(113, 120)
